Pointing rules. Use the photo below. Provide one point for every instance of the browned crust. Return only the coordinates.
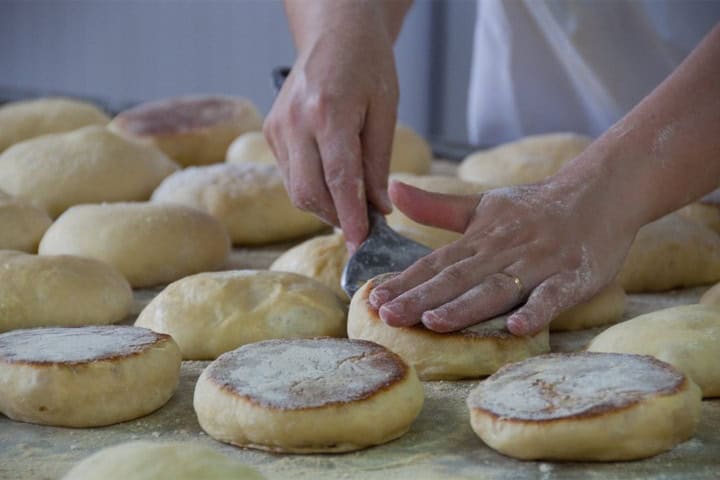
(592, 413)
(395, 364)
(177, 115)
(160, 338)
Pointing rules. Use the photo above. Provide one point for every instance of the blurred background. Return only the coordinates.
(126, 51)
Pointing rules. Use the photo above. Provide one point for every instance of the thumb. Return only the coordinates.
(450, 212)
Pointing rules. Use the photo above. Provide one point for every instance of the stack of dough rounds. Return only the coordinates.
(687, 337)
(585, 406)
(22, 225)
(706, 211)
(62, 290)
(212, 313)
(160, 461)
(193, 130)
(606, 307)
(527, 160)
(249, 199)
(308, 395)
(672, 252)
(20, 121)
(474, 352)
(322, 258)
(89, 165)
(410, 152)
(430, 236)
(86, 376)
(150, 244)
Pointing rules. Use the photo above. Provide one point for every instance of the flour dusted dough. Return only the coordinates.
(209, 314)
(249, 199)
(687, 337)
(63, 290)
(89, 165)
(474, 352)
(606, 307)
(27, 119)
(322, 258)
(410, 152)
(143, 460)
(527, 160)
(308, 395)
(85, 376)
(21, 224)
(151, 244)
(192, 130)
(672, 252)
(585, 406)
(430, 236)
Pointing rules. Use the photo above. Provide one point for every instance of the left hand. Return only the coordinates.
(562, 241)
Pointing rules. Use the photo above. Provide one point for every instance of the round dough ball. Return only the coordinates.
(212, 313)
(524, 161)
(249, 199)
(86, 376)
(89, 165)
(22, 225)
(61, 290)
(429, 236)
(321, 258)
(192, 130)
(474, 352)
(160, 460)
(672, 252)
(585, 407)
(604, 308)
(250, 147)
(150, 244)
(411, 153)
(687, 337)
(308, 395)
(20, 121)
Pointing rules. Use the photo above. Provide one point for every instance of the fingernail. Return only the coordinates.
(517, 325)
(378, 297)
(389, 313)
(387, 205)
(430, 319)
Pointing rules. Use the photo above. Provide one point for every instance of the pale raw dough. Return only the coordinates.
(20, 121)
(672, 252)
(705, 211)
(429, 236)
(250, 147)
(527, 160)
(322, 258)
(89, 165)
(144, 460)
(585, 407)
(192, 130)
(308, 395)
(86, 376)
(63, 290)
(606, 307)
(474, 352)
(410, 152)
(687, 337)
(151, 244)
(249, 199)
(22, 225)
(209, 314)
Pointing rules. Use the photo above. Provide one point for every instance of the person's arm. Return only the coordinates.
(332, 125)
(564, 238)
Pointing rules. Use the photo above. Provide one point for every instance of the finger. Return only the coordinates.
(275, 139)
(419, 272)
(377, 141)
(343, 173)
(306, 184)
(547, 301)
(451, 212)
(449, 284)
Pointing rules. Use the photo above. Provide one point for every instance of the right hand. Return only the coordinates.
(332, 125)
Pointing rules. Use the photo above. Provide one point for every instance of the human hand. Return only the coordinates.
(332, 125)
(562, 241)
